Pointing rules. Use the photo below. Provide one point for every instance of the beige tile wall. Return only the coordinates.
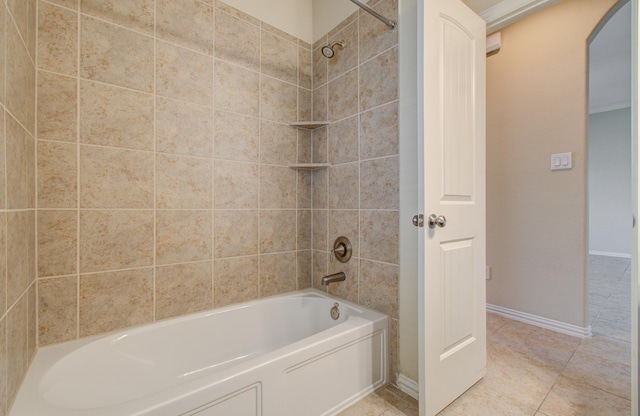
(17, 195)
(357, 91)
(163, 146)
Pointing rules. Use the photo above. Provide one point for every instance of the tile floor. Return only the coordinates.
(537, 372)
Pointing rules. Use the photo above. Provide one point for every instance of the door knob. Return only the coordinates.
(438, 220)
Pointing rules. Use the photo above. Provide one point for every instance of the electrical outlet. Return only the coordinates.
(487, 272)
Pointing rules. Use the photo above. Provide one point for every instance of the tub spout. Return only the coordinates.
(336, 277)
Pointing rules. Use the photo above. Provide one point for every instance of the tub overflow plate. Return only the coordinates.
(335, 312)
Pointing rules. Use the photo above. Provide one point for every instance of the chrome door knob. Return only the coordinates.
(438, 220)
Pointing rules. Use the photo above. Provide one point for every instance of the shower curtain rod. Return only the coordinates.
(388, 22)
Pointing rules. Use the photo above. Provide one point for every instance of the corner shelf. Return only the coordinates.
(309, 166)
(309, 125)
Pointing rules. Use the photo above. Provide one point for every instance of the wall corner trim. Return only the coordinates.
(508, 11)
(407, 385)
(542, 322)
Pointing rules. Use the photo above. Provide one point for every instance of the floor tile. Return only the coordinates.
(536, 346)
(600, 372)
(482, 401)
(613, 349)
(569, 398)
(518, 380)
(495, 322)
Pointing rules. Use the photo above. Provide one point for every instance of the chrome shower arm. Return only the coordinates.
(388, 22)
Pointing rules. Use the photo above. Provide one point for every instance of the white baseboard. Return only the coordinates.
(408, 386)
(609, 254)
(574, 330)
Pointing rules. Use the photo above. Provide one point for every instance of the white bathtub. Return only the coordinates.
(278, 356)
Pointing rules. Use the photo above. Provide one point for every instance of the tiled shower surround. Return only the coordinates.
(146, 174)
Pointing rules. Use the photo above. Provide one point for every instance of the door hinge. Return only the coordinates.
(418, 220)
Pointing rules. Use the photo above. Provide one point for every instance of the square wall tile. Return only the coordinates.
(21, 253)
(57, 175)
(115, 55)
(379, 80)
(304, 229)
(57, 242)
(304, 190)
(278, 100)
(110, 301)
(183, 74)
(235, 233)
(277, 273)
(3, 65)
(375, 37)
(57, 309)
(320, 221)
(279, 57)
(188, 23)
(319, 146)
(183, 182)
(183, 236)
(57, 107)
(236, 89)
(115, 178)
(184, 128)
(20, 81)
(111, 240)
(342, 96)
(305, 104)
(349, 288)
(320, 66)
(380, 183)
(277, 187)
(115, 117)
(277, 231)
(235, 185)
(3, 366)
(57, 39)
(304, 262)
(343, 186)
(319, 104)
(347, 58)
(305, 69)
(237, 137)
(133, 14)
(320, 182)
(3, 264)
(235, 280)
(20, 155)
(278, 143)
(345, 223)
(379, 132)
(17, 346)
(71, 4)
(237, 41)
(379, 286)
(343, 141)
(378, 232)
(183, 288)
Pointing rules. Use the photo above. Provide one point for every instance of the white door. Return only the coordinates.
(453, 355)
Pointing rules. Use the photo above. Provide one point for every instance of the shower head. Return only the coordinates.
(328, 51)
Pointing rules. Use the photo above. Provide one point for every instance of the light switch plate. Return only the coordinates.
(561, 161)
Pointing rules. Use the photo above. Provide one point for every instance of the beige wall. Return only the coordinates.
(17, 195)
(163, 153)
(357, 91)
(536, 106)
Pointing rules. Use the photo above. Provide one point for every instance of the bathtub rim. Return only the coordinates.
(46, 357)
